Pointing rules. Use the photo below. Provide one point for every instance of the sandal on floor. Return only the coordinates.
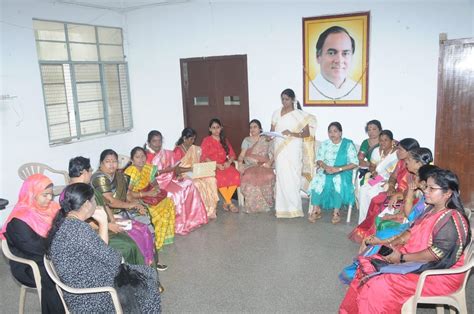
(233, 208)
(336, 218)
(225, 207)
(315, 216)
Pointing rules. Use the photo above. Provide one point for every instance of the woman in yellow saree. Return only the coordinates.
(144, 188)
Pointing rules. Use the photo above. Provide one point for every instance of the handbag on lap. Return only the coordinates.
(153, 200)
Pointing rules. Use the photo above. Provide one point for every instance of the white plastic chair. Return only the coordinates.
(61, 286)
(355, 182)
(31, 168)
(455, 300)
(122, 161)
(36, 274)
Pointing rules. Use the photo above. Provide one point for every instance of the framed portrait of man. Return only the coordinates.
(336, 60)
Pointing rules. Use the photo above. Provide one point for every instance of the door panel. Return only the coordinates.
(232, 98)
(197, 83)
(223, 80)
(454, 146)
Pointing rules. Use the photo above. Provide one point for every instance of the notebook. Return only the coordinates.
(203, 169)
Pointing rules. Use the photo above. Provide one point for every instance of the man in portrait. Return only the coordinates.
(334, 51)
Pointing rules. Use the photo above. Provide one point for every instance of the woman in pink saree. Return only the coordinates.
(190, 154)
(190, 210)
(257, 181)
(436, 241)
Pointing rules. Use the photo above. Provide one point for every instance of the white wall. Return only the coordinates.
(25, 138)
(403, 68)
(403, 58)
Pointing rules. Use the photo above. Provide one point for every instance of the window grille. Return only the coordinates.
(85, 80)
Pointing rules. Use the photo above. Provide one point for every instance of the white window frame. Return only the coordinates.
(70, 88)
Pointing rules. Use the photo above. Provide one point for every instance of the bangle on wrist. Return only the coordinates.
(402, 258)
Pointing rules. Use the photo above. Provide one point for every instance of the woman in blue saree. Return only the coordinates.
(332, 187)
(391, 225)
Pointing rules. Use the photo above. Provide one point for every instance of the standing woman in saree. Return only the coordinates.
(112, 187)
(189, 154)
(143, 187)
(189, 207)
(257, 181)
(216, 147)
(332, 187)
(296, 126)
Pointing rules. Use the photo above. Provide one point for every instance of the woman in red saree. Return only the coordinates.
(436, 241)
(190, 210)
(397, 187)
(216, 147)
(257, 177)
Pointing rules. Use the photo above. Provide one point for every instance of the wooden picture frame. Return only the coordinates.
(336, 60)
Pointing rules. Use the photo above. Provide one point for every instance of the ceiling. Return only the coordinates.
(120, 5)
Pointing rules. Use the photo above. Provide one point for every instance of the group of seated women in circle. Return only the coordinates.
(411, 219)
(119, 219)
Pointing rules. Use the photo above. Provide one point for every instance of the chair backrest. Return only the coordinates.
(468, 261)
(60, 286)
(123, 161)
(36, 273)
(31, 168)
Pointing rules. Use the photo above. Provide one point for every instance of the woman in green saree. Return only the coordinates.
(80, 171)
(332, 186)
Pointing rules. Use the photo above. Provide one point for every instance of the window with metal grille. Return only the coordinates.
(85, 80)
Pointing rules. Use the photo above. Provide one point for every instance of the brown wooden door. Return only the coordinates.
(454, 146)
(216, 87)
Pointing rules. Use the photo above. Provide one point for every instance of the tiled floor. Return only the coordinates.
(246, 263)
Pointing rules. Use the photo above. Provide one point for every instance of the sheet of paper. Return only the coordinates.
(272, 134)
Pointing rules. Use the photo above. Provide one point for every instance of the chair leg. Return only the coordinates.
(461, 298)
(21, 308)
(409, 307)
(349, 212)
(241, 199)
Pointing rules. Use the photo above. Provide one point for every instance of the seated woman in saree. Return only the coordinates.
(257, 181)
(80, 171)
(382, 163)
(373, 129)
(190, 154)
(293, 154)
(111, 188)
(216, 147)
(83, 259)
(436, 241)
(26, 230)
(143, 188)
(189, 207)
(332, 187)
(393, 197)
(390, 227)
